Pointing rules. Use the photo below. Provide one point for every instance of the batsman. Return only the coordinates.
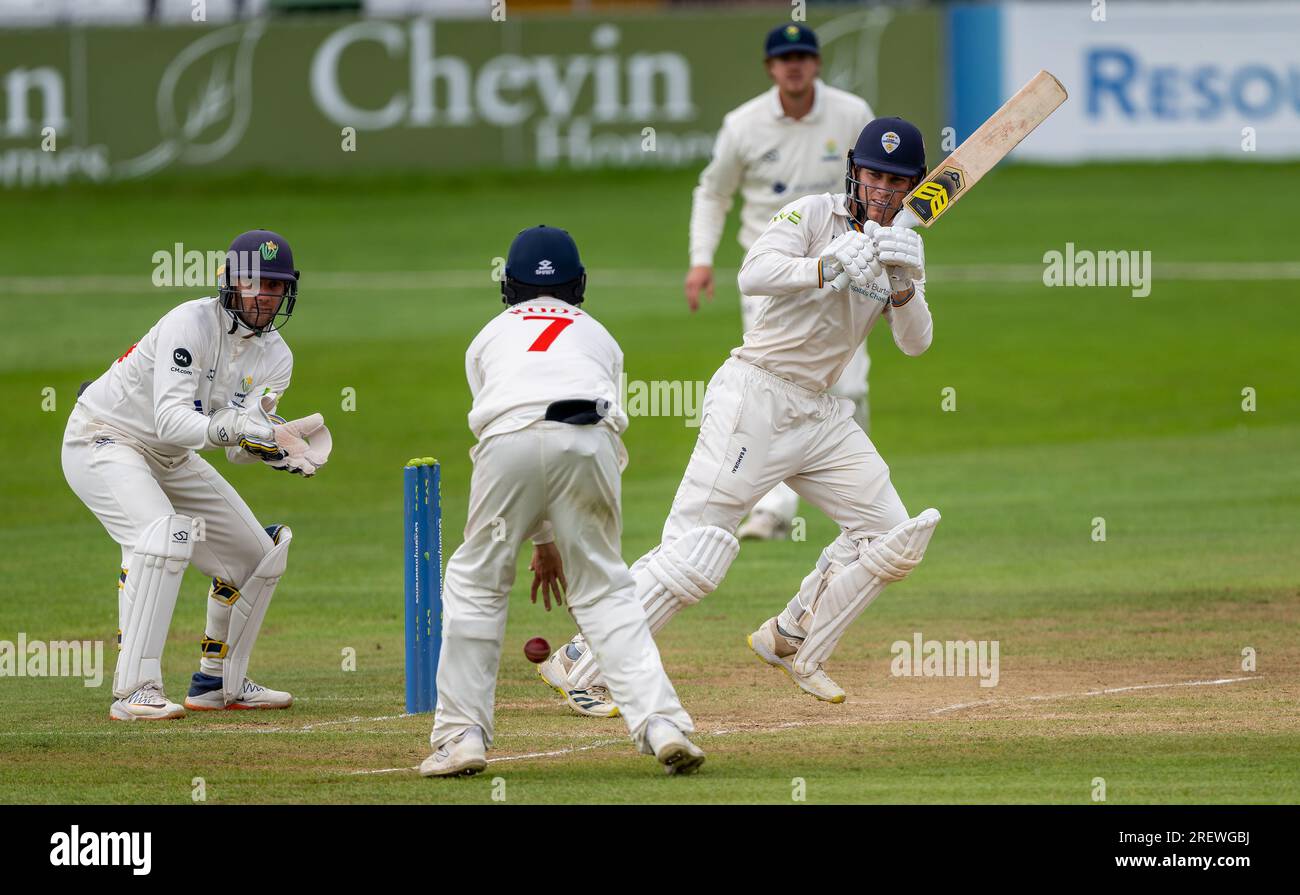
(828, 267)
(208, 375)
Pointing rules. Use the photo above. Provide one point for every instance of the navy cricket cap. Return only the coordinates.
(267, 250)
(792, 38)
(891, 145)
(543, 256)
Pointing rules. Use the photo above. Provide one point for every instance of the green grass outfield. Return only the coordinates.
(1072, 403)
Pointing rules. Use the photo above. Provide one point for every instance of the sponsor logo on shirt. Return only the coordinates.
(875, 292)
(770, 156)
(739, 458)
(778, 187)
(832, 153)
(182, 359)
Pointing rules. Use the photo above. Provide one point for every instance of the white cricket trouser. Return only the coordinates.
(781, 501)
(759, 429)
(127, 488)
(570, 475)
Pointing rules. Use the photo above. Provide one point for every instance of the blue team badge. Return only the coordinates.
(778, 187)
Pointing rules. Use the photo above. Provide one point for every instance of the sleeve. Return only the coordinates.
(712, 198)
(473, 367)
(277, 381)
(910, 321)
(617, 418)
(778, 262)
(176, 421)
(545, 533)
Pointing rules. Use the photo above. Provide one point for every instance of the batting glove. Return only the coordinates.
(850, 258)
(903, 255)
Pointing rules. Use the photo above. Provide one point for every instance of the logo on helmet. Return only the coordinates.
(269, 250)
(889, 141)
(544, 268)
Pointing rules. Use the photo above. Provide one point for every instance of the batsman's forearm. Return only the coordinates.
(771, 273)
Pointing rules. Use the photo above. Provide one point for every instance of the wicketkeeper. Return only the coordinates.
(208, 375)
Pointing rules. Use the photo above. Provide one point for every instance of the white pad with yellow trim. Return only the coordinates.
(670, 578)
(247, 612)
(890, 557)
(156, 567)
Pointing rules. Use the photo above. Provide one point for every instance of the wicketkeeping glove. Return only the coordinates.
(305, 445)
(249, 427)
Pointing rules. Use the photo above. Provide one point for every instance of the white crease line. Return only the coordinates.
(854, 721)
(353, 721)
(1105, 692)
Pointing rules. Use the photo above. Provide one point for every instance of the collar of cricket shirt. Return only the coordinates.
(778, 111)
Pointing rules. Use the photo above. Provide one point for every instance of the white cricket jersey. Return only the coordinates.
(536, 353)
(161, 391)
(807, 332)
(772, 159)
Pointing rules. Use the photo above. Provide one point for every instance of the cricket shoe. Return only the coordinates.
(146, 704)
(763, 526)
(461, 756)
(777, 648)
(205, 696)
(677, 754)
(593, 701)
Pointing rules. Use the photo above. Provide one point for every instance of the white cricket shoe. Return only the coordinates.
(205, 696)
(778, 649)
(594, 702)
(763, 526)
(461, 756)
(677, 754)
(146, 704)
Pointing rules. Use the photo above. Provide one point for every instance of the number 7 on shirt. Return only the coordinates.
(549, 334)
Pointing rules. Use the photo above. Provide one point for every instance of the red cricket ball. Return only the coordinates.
(537, 650)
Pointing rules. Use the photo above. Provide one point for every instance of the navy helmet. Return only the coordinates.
(888, 145)
(543, 261)
(258, 255)
(791, 38)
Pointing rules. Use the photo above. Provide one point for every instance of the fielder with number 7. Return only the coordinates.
(544, 375)
(207, 375)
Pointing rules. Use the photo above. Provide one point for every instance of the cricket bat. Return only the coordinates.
(983, 149)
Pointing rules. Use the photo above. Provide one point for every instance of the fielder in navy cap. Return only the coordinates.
(792, 38)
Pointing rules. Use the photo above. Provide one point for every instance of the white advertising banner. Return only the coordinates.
(1159, 79)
